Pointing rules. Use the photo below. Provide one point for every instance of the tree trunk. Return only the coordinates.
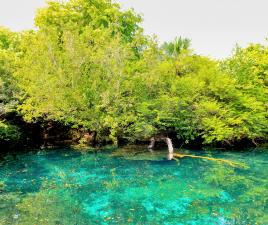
(152, 144)
(170, 149)
(168, 142)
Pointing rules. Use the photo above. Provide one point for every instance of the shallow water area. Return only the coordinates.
(133, 186)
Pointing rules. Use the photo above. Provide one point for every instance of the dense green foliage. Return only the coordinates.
(9, 55)
(89, 65)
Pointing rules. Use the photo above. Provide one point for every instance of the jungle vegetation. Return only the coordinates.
(89, 66)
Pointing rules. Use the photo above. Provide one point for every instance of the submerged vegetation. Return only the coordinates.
(67, 187)
(90, 68)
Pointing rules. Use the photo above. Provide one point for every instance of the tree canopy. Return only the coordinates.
(89, 65)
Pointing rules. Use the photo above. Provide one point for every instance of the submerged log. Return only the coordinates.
(225, 161)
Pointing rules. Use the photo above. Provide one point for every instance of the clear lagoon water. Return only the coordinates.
(133, 186)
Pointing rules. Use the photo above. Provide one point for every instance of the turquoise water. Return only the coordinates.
(132, 186)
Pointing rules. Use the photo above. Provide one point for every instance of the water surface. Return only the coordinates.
(68, 187)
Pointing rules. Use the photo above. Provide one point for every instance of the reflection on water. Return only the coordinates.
(133, 186)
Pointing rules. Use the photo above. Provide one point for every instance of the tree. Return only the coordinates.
(9, 54)
(76, 67)
(177, 46)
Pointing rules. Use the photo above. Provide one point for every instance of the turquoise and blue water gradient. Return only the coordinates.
(64, 186)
